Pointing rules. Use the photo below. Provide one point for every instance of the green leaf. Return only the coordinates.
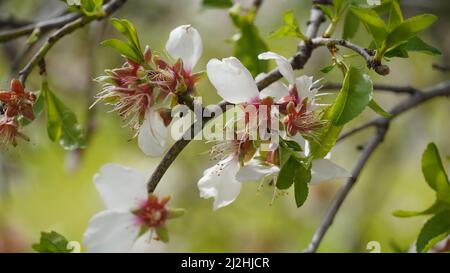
(291, 27)
(52, 242)
(353, 98)
(123, 48)
(418, 45)
(128, 30)
(434, 173)
(301, 179)
(217, 3)
(248, 45)
(287, 174)
(62, 125)
(395, 17)
(351, 25)
(163, 234)
(285, 153)
(327, 69)
(436, 229)
(408, 29)
(327, 10)
(173, 213)
(391, 9)
(378, 109)
(437, 207)
(373, 24)
(92, 7)
(328, 138)
(293, 145)
(133, 45)
(414, 44)
(339, 6)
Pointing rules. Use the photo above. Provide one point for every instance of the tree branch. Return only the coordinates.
(12, 22)
(379, 87)
(68, 28)
(441, 67)
(342, 194)
(297, 62)
(43, 26)
(382, 124)
(367, 54)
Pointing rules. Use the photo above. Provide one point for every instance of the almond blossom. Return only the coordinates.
(9, 132)
(235, 84)
(130, 211)
(18, 101)
(144, 93)
(322, 170)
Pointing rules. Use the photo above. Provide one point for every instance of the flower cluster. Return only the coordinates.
(17, 103)
(246, 161)
(130, 213)
(144, 93)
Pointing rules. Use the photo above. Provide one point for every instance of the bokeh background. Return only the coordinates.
(43, 187)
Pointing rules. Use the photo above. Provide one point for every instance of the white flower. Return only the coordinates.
(304, 84)
(152, 134)
(219, 182)
(284, 66)
(129, 211)
(276, 90)
(184, 42)
(322, 170)
(233, 81)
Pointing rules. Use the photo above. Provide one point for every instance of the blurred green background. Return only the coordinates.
(45, 188)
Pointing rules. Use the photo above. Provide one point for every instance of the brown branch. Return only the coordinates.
(379, 87)
(12, 22)
(43, 26)
(382, 124)
(441, 67)
(367, 54)
(297, 62)
(342, 194)
(68, 28)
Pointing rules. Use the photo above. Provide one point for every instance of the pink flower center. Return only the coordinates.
(153, 212)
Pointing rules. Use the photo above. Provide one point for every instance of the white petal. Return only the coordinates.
(324, 170)
(304, 87)
(120, 187)
(111, 231)
(276, 90)
(255, 171)
(152, 134)
(283, 64)
(233, 81)
(219, 183)
(185, 43)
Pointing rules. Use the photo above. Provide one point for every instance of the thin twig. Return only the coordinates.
(297, 62)
(379, 87)
(441, 67)
(43, 26)
(12, 22)
(367, 54)
(68, 28)
(382, 124)
(343, 192)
